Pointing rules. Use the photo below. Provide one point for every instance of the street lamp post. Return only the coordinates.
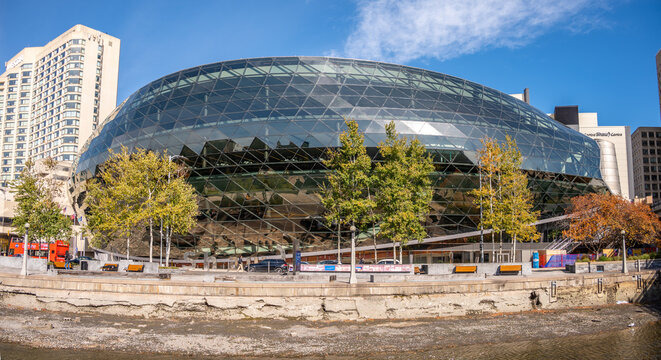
(352, 276)
(24, 268)
(339, 239)
(479, 164)
(624, 254)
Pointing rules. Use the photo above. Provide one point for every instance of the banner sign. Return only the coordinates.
(365, 268)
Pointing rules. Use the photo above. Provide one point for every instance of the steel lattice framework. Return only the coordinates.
(253, 131)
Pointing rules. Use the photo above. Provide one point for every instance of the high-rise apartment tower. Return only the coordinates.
(52, 97)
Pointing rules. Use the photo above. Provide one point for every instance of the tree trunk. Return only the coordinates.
(500, 247)
(375, 252)
(394, 250)
(160, 247)
(151, 240)
(401, 249)
(493, 247)
(513, 259)
(168, 235)
(127, 248)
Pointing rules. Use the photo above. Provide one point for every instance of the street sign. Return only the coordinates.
(297, 261)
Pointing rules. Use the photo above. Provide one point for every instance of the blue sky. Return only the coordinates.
(595, 54)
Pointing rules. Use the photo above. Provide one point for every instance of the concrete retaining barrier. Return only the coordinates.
(17, 263)
(485, 268)
(613, 266)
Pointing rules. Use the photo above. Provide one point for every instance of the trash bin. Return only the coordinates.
(83, 265)
(535, 260)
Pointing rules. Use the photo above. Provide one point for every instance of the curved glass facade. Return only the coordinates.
(252, 132)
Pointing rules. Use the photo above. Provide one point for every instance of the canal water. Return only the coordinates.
(640, 342)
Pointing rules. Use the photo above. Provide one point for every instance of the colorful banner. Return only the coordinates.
(364, 268)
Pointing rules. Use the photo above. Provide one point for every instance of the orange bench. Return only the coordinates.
(59, 264)
(109, 267)
(135, 268)
(465, 269)
(509, 269)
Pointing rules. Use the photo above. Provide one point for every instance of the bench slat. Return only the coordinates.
(510, 268)
(135, 268)
(465, 269)
(110, 267)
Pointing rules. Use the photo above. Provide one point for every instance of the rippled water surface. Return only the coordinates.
(643, 342)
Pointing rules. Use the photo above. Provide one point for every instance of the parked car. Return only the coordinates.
(327, 262)
(388, 262)
(273, 265)
(78, 259)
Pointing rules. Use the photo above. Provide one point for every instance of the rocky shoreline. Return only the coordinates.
(297, 338)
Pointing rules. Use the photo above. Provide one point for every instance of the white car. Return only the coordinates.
(388, 262)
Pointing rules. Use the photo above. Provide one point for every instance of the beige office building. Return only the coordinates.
(52, 97)
(614, 145)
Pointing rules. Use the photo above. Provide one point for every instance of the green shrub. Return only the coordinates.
(652, 255)
(583, 258)
(604, 258)
(617, 258)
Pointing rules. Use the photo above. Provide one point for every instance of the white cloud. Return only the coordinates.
(403, 30)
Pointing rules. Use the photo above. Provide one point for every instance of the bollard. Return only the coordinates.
(372, 278)
(332, 278)
(553, 291)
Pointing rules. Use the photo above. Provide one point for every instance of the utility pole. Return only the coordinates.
(479, 169)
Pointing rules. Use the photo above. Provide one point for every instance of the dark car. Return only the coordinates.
(272, 265)
(327, 262)
(78, 259)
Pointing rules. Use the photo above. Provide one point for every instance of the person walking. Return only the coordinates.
(240, 263)
(67, 261)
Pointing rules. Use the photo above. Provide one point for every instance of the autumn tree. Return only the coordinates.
(178, 208)
(597, 220)
(137, 189)
(403, 188)
(344, 195)
(503, 194)
(113, 201)
(36, 192)
(486, 195)
(516, 204)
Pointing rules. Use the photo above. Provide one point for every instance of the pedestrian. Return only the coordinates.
(67, 261)
(240, 263)
(362, 261)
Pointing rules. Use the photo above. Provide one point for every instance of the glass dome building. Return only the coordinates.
(252, 132)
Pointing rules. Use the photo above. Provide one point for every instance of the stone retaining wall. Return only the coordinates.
(327, 301)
